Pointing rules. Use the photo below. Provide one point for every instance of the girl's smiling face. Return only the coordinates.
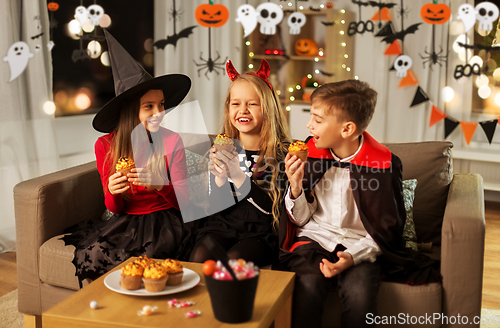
(152, 109)
(245, 111)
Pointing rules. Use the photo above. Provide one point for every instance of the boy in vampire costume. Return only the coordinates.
(345, 214)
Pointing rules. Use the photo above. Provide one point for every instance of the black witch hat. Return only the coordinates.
(131, 78)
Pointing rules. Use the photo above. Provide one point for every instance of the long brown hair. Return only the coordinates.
(274, 137)
(121, 144)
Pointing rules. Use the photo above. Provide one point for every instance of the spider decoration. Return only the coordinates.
(210, 65)
(435, 14)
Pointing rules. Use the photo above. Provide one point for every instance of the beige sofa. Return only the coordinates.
(448, 210)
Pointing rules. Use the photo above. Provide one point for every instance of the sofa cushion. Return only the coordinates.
(56, 267)
(431, 164)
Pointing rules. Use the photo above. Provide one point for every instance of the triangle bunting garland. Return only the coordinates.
(437, 115)
(420, 97)
(394, 49)
(449, 126)
(388, 29)
(408, 80)
(383, 15)
(489, 128)
(468, 129)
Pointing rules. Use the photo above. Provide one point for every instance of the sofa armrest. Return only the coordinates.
(44, 207)
(462, 251)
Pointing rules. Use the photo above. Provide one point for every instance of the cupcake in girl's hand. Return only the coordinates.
(155, 277)
(124, 165)
(299, 149)
(131, 276)
(223, 142)
(175, 271)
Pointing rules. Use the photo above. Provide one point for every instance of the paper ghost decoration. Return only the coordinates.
(296, 21)
(467, 14)
(402, 64)
(50, 45)
(18, 56)
(95, 14)
(81, 14)
(247, 16)
(486, 14)
(269, 15)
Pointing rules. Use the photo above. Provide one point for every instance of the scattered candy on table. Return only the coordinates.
(241, 268)
(147, 310)
(175, 303)
(193, 314)
(94, 305)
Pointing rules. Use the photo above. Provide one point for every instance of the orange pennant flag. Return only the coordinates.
(394, 49)
(436, 116)
(408, 80)
(468, 128)
(382, 15)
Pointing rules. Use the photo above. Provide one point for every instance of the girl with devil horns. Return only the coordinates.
(247, 183)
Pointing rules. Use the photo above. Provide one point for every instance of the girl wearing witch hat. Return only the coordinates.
(145, 199)
(246, 183)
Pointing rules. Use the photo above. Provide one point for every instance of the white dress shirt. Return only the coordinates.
(333, 217)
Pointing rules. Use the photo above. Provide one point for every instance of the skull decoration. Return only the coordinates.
(486, 14)
(81, 14)
(95, 14)
(269, 15)
(402, 65)
(296, 21)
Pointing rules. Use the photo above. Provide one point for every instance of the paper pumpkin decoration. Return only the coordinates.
(211, 15)
(306, 47)
(18, 56)
(467, 15)
(53, 6)
(486, 14)
(247, 16)
(296, 21)
(435, 13)
(402, 64)
(269, 15)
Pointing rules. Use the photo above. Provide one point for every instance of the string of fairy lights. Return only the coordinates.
(316, 73)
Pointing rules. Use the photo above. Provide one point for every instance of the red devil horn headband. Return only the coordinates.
(263, 72)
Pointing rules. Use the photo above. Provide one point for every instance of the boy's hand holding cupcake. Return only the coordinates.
(294, 166)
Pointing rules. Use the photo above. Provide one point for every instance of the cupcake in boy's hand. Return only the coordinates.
(155, 277)
(299, 149)
(175, 271)
(223, 142)
(131, 276)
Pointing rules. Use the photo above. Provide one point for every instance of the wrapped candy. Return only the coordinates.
(193, 314)
(147, 310)
(241, 268)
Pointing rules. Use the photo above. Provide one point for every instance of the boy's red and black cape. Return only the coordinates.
(376, 183)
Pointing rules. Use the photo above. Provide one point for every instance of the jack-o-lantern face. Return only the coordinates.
(53, 6)
(306, 47)
(435, 14)
(211, 15)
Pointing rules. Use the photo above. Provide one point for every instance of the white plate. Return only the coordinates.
(189, 280)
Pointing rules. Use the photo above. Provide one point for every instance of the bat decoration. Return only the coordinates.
(92, 37)
(360, 27)
(474, 69)
(328, 23)
(325, 73)
(79, 54)
(34, 37)
(381, 6)
(314, 9)
(172, 39)
(401, 34)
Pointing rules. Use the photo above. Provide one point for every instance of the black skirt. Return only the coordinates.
(102, 245)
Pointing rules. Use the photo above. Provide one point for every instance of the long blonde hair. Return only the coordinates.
(274, 137)
(121, 143)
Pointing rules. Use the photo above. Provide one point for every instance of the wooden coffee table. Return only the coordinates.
(273, 302)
